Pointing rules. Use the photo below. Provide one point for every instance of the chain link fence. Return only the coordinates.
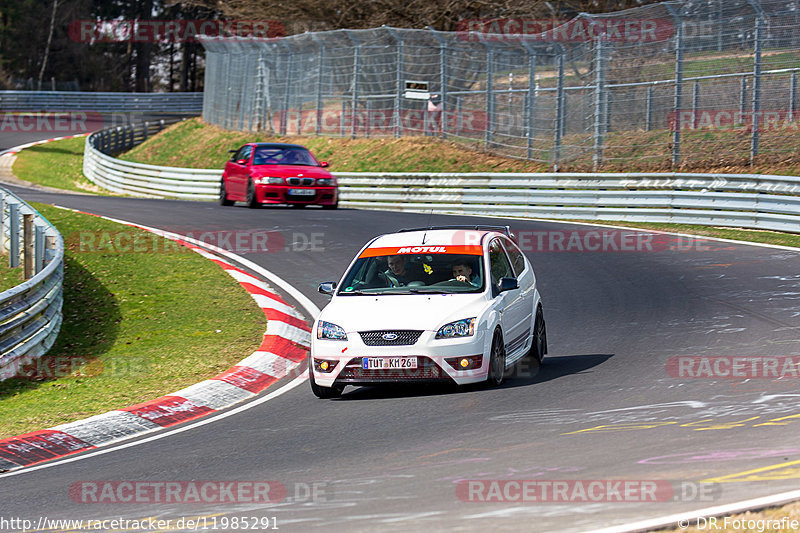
(674, 85)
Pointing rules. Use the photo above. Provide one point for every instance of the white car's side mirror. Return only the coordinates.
(327, 287)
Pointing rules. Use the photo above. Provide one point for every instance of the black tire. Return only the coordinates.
(223, 195)
(323, 392)
(251, 201)
(332, 206)
(539, 344)
(497, 361)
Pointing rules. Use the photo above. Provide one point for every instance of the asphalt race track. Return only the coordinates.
(606, 405)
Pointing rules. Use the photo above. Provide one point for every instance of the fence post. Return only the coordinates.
(743, 96)
(398, 99)
(695, 103)
(648, 120)
(13, 235)
(284, 124)
(530, 100)
(49, 248)
(442, 82)
(2, 222)
(489, 94)
(27, 246)
(676, 106)
(559, 133)
(756, 79)
(599, 90)
(341, 117)
(320, 72)
(459, 115)
(38, 248)
(792, 96)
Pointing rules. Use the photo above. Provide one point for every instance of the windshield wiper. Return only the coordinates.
(428, 290)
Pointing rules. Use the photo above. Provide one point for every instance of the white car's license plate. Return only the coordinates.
(388, 363)
(302, 192)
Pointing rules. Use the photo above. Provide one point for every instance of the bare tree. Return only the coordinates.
(47, 47)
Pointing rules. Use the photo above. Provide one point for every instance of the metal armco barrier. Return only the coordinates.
(30, 313)
(737, 200)
(139, 179)
(151, 103)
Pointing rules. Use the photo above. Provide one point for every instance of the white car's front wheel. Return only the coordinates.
(539, 344)
(320, 391)
(497, 361)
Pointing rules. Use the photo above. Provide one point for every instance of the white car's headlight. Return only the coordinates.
(326, 330)
(459, 328)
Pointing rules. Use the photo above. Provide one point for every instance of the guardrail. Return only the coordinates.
(139, 179)
(737, 200)
(30, 313)
(106, 102)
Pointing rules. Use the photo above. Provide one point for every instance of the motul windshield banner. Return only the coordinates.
(410, 250)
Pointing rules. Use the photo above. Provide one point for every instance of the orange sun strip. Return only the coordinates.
(469, 249)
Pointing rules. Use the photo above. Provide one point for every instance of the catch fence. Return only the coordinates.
(674, 84)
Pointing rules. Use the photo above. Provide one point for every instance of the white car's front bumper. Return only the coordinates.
(431, 353)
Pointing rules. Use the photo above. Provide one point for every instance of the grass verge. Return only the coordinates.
(57, 164)
(136, 326)
(9, 277)
(193, 144)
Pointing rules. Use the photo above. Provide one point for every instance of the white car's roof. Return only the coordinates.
(435, 237)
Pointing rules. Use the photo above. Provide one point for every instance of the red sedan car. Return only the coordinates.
(277, 173)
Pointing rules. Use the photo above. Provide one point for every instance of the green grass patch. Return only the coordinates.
(57, 164)
(193, 144)
(136, 326)
(9, 277)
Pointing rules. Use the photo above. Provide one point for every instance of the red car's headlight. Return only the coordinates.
(327, 182)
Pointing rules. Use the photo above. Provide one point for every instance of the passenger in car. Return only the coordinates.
(397, 273)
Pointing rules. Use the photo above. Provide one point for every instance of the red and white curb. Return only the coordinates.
(8, 157)
(17, 149)
(282, 350)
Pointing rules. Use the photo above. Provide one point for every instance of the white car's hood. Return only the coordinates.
(400, 311)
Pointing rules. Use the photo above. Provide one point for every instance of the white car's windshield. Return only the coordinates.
(414, 273)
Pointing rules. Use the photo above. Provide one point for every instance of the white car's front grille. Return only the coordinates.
(390, 337)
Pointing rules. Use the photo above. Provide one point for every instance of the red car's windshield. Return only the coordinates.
(283, 156)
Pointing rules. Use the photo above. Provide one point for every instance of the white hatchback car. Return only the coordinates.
(454, 304)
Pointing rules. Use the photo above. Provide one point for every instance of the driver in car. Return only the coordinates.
(397, 271)
(462, 271)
